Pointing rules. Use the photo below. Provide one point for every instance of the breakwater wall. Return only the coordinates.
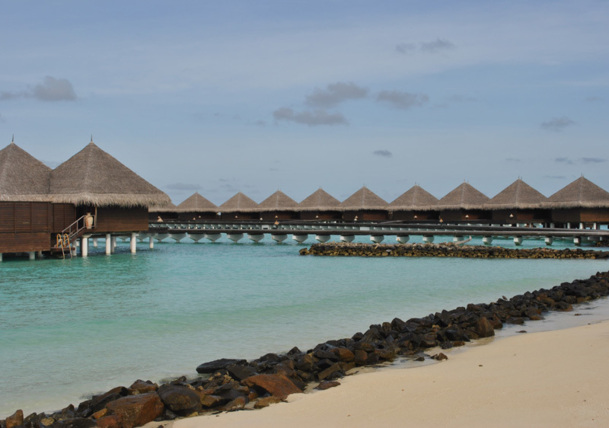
(236, 384)
(447, 250)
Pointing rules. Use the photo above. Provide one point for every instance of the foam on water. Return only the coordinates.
(76, 327)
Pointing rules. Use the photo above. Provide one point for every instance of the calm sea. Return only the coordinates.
(70, 328)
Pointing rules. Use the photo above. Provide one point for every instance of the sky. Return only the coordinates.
(259, 96)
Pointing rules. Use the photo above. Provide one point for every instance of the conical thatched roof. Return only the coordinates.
(518, 195)
(22, 177)
(239, 203)
(93, 177)
(364, 199)
(464, 197)
(319, 200)
(582, 193)
(415, 198)
(196, 203)
(168, 208)
(278, 201)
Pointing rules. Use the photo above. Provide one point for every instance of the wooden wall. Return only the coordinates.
(118, 219)
(25, 226)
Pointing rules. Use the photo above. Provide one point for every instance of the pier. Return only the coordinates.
(300, 231)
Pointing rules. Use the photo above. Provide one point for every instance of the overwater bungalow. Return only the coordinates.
(518, 203)
(239, 207)
(278, 206)
(320, 206)
(464, 203)
(414, 205)
(364, 205)
(159, 213)
(580, 204)
(197, 208)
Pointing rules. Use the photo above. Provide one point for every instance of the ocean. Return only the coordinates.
(75, 327)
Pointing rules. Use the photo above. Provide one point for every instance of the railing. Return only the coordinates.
(74, 230)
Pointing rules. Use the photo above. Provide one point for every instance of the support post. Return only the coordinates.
(32, 255)
(95, 242)
(113, 243)
(133, 243)
(517, 240)
(151, 242)
(108, 244)
(84, 246)
(0, 257)
(549, 240)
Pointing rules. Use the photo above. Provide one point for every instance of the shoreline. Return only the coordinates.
(239, 384)
(551, 378)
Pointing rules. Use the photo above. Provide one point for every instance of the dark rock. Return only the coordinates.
(241, 372)
(14, 420)
(142, 387)
(98, 402)
(236, 404)
(136, 410)
(266, 401)
(330, 372)
(76, 423)
(484, 328)
(439, 357)
(327, 384)
(214, 366)
(360, 357)
(275, 384)
(180, 399)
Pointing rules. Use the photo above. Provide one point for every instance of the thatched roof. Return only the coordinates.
(320, 200)
(169, 208)
(196, 203)
(22, 177)
(464, 197)
(278, 201)
(93, 177)
(518, 195)
(415, 198)
(582, 193)
(364, 199)
(239, 203)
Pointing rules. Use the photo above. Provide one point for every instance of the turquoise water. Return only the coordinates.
(70, 328)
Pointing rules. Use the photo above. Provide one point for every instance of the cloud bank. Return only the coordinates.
(51, 89)
(557, 124)
(335, 94)
(310, 118)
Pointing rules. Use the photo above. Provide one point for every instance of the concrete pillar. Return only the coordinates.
(551, 225)
(0, 257)
(581, 226)
(151, 242)
(487, 240)
(347, 238)
(39, 254)
(32, 255)
(457, 238)
(108, 244)
(549, 240)
(133, 242)
(84, 246)
(577, 241)
(113, 243)
(428, 239)
(517, 240)
(377, 239)
(95, 242)
(402, 239)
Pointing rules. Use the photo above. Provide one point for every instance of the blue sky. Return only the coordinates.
(220, 97)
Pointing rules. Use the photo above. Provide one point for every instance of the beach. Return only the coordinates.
(547, 379)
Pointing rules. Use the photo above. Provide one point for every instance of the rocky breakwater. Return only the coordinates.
(236, 384)
(447, 250)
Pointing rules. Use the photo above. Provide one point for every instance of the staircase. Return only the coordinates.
(70, 234)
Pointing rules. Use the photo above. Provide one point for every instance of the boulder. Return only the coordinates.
(136, 410)
(142, 387)
(98, 402)
(275, 384)
(214, 366)
(240, 372)
(327, 384)
(484, 328)
(180, 399)
(266, 401)
(14, 420)
(75, 423)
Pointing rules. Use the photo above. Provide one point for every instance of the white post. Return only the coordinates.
(151, 242)
(0, 257)
(39, 254)
(517, 240)
(108, 244)
(113, 246)
(95, 242)
(133, 242)
(84, 246)
(32, 255)
(581, 226)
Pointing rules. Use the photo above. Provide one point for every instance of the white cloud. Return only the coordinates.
(402, 100)
(336, 93)
(310, 118)
(557, 124)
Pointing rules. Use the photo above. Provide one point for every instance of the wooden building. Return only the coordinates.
(463, 204)
(518, 204)
(239, 207)
(278, 206)
(320, 206)
(196, 208)
(414, 205)
(364, 205)
(580, 204)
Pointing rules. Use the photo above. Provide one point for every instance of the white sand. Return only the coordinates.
(550, 379)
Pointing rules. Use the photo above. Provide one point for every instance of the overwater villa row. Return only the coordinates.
(579, 205)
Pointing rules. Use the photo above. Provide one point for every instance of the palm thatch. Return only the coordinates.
(465, 197)
(239, 203)
(168, 208)
(278, 201)
(93, 177)
(364, 199)
(415, 198)
(196, 203)
(22, 177)
(320, 200)
(518, 195)
(581, 193)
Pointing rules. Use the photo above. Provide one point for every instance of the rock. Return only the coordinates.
(179, 399)
(275, 384)
(214, 366)
(484, 328)
(237, 404)
(439, 357)
(335, 370)
(75, 423)
(136, 410)
(240, 372)
(142, 387)
(98, 402)
(327, 384)
(360, 357)
(344, 354)
(211, 401)
(110, 421)
(14, 420)
(266, 401)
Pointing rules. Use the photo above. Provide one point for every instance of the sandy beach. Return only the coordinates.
(548, 379)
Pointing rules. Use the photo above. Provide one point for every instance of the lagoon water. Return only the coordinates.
(71, 328)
